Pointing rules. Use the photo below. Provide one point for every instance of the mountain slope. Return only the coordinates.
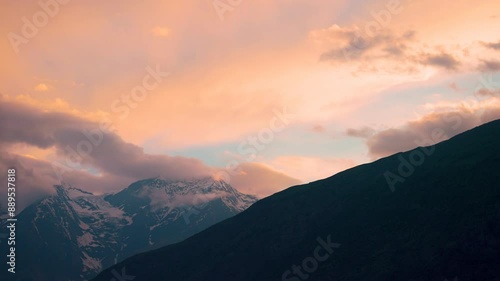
(75, 234)
(441, 222)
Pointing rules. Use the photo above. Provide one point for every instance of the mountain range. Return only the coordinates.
(431, 214)
(74, 234)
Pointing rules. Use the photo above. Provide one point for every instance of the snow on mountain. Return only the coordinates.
(85, 232)
(163, 193)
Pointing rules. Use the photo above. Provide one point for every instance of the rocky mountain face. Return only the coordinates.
(75, 234)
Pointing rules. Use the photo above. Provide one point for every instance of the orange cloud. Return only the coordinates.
(41, 87)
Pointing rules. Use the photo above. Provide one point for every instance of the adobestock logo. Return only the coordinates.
(417, 157)
(488, 85)
(92, 138)
(254, 144)
(250, 147)
(140, 92)
(221, 7)
(30, 28)
(310, 264)
(381, 20)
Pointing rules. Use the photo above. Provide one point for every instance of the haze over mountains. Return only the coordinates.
(75, 234)
(438, 221)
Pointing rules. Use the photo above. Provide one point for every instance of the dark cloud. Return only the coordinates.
(442, 60)
(84, 143)
(390, 51)
(117, 157)
(489, 65)
(395, 50)
(36, 178)
(491, 45)
(352, 44)
(364, 132)
(429, 130)
(18, 125)
(485, 92)
(81, 146)
(97, 159)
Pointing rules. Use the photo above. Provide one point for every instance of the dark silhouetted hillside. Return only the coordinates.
(442, 222)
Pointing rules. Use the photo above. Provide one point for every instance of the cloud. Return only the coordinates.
(485, 92)
(99, 160)
(431, 129)
(226, 78)
(394, 50)
(260, 179)
(386, 49)
(34, 176)
(491, 45)
(444, 60)
(489, 65)
(41, 87)
(351, 44)
(490, 115)
(37, 178)
(364, 132)
(18, 120)
(84, 142)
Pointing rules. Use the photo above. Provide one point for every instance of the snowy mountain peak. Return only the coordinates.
(98, 231)
(66, 190)
(173, 188)
(166, 193)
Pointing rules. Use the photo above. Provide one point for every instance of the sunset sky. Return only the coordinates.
(182, 89)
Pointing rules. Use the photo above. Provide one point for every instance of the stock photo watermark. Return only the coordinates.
(122, 106)
(487, 85)
(252, 145)
(416, 158)
(31, 26)
(3, 235)
(11, 220)
(222, 7)
(381, 20)
(310, 264)
(248, 148)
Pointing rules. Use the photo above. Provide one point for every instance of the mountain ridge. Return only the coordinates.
(440, 222)
(77, 233)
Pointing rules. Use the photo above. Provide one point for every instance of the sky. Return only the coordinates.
(262, 94)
